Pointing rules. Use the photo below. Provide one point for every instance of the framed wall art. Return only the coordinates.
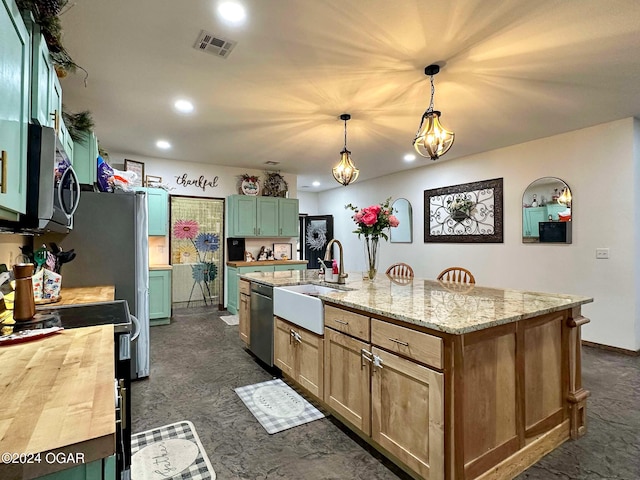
(465, 213)
(282, 251)
(152, 181)
(136, 167)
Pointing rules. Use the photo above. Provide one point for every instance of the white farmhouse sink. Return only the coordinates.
(300, 305)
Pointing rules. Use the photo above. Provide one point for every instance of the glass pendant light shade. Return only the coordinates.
(433, 140)
(345, 172)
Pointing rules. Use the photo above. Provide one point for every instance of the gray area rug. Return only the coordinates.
(171, 451)
(277, 406)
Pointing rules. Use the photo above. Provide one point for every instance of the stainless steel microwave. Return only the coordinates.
(53, 189)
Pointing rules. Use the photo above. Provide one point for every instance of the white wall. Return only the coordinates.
(308, 203)
(600, 165)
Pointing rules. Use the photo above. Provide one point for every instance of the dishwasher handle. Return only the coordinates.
(253, 292)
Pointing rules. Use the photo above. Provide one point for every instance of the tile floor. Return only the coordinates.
(198, 360)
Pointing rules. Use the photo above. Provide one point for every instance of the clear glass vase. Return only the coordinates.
(371, 255)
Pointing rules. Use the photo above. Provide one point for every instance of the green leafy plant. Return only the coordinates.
(78, 124)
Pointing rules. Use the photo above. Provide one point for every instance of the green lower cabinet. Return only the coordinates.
(233, 273)
(159, 297)
(104, 469)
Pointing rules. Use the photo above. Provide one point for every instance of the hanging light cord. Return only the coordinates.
(433, 91)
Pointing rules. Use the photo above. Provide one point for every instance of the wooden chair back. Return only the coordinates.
(400, 270)
(456, 274)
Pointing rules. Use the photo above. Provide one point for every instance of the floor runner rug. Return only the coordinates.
(173, 451)
(230, 319)
(277, 406)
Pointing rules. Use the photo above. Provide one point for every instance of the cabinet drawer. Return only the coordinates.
(245, 287)
(418, 346)
(347, 322)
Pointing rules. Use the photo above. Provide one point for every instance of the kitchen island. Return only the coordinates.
(449, 381)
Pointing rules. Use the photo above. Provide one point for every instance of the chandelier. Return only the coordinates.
(432, 139)
(345, 171)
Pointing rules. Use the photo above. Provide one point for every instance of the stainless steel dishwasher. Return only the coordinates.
(261, 331)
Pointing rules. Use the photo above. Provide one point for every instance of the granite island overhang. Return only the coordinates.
(449, 381)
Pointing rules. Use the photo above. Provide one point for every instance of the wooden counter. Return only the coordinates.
(266, 263)
(76, 295)
(57, 395)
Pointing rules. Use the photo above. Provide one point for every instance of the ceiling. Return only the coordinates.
(511, 72)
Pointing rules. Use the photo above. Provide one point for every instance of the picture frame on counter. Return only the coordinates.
(137, 168)
(465, 213)
(282, 250)
(152, 181)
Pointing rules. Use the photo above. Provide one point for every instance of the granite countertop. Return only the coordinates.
(442, 306)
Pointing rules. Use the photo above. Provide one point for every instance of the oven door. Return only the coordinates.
(123, 406)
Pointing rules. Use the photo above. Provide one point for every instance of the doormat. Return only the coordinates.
(230, 319)
(172, 451)
(277, 406)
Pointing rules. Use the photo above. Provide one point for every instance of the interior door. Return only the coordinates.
(317, 231)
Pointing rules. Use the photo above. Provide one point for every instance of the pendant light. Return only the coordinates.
(345, 171)
(432, 139)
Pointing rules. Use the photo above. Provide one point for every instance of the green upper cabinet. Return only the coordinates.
(249, 216)
(288, 214)
(85, 158)
(15, 73)
(158, 200)
(67, 141)
(242, 216)
(531, 217)
(41, 81)
(267, 209)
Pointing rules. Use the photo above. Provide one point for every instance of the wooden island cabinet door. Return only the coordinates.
(309, 365)
(283, 347)
(346, 379)
(407, 413)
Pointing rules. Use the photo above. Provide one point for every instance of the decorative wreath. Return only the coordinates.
(316, 236)
(274, 185)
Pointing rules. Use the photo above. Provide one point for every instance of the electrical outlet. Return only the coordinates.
(602, 253)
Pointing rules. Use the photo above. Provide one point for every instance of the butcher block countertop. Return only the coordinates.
(57, 395)
(266, 262)
(77, 295)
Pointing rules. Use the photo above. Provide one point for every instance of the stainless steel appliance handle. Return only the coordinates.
(76, 183)
(136, 324)
(59, 191)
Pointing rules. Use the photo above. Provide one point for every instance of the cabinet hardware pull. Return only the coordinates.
(254, 230)
(364, 355)
(341, 322)
(291, 334)
(280, 231)
(399, 341)
(298, 337)
(5, 158)
(123, 392)
(55, 115)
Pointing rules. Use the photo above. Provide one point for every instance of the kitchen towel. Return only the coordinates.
(230, 319)
(277, 406)
(172, 451)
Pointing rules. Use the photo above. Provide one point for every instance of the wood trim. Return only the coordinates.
(458, 408)
(520, 385)
(449, 417)
(546, 424)
(483, 335)
(601, 346)
(491, 458)
(517, 463)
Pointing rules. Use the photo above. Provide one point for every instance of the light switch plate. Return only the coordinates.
(602, 253)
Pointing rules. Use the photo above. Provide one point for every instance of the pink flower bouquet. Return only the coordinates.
(372, 221)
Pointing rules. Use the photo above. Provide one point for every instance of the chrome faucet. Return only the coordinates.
(327, 256)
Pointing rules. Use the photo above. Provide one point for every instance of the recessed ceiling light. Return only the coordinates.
(409, 157)
(316, 183)
(183, 106)
(163, 144)
(232, 12)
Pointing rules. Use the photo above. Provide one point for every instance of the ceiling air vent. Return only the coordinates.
(214, 44)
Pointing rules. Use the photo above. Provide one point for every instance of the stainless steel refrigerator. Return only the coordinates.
(110, 239)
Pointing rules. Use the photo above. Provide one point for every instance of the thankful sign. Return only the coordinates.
(200, 182)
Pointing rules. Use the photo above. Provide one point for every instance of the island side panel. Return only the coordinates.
(513, 386)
